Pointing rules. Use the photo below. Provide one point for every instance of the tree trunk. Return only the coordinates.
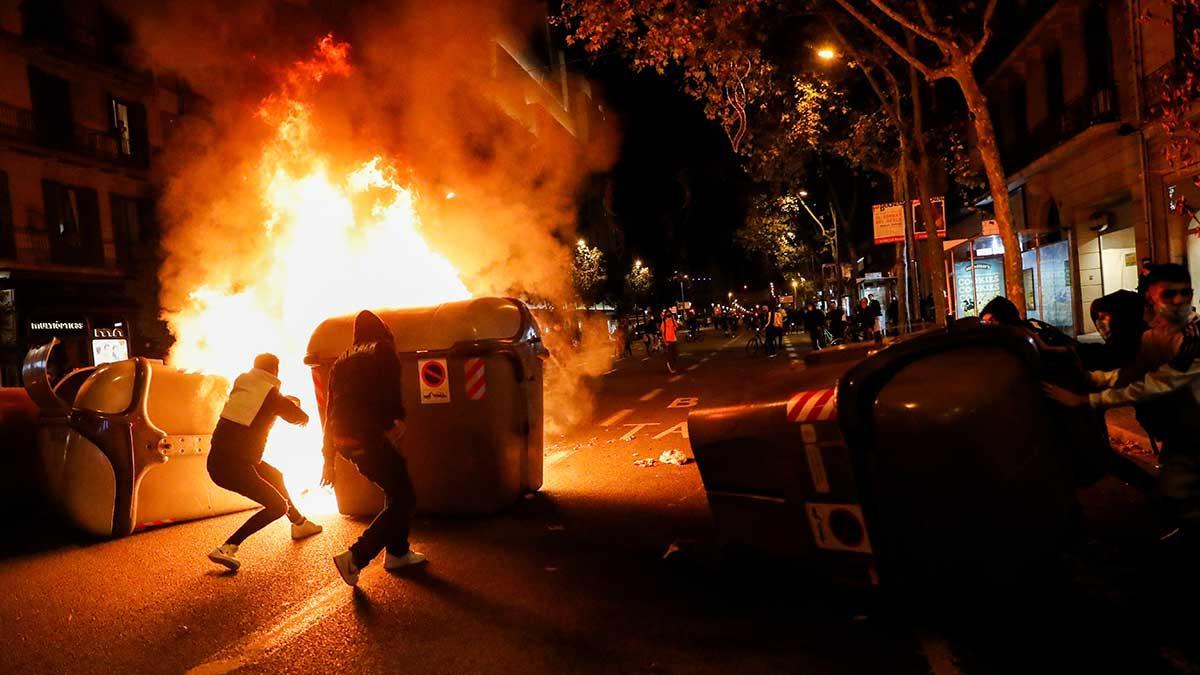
(997, 181)
(934, 253)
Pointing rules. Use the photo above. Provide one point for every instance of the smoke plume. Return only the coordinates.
(432, 89)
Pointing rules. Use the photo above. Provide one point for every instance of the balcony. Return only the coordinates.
(1096, 107)
(104, 146)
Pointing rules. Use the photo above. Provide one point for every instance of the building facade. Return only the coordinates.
(81, 136)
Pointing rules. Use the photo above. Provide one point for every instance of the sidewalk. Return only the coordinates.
(1130, 441)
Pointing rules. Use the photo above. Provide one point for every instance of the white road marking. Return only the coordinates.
(684, 402)
(555, 458)
(680, 429)
(691, 368)
(629, 435)
(616, 417)
(645, 359)
(611, 371)
(263, 642)
(676, 378)
(649, 395)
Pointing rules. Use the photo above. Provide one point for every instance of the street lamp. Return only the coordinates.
(582, 243)
(795, 284)
(826, 53)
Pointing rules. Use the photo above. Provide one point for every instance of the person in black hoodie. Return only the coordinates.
(235, 459)
(365, 410)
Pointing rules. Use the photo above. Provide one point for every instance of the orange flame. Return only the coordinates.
(325, 258)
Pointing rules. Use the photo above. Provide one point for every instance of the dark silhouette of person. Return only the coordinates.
(364, 413)
(235, 458)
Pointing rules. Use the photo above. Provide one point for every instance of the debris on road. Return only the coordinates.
(1130, 447)
(645, 462)
(674, 456)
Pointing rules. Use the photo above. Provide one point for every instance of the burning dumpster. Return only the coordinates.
(935, 460)
(124, 445)
(472, 389)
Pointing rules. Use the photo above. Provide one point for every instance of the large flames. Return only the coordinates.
(336, 243)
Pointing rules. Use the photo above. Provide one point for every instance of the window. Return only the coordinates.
(53, 125)
(1098, 48)
(128, 120)
(133, 229)
(8, 246)
(73, 224)
(1054, 84)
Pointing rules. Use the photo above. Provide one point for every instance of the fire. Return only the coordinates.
(335, 244)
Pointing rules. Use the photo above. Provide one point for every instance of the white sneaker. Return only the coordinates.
(399, 562)
(224, 555)
(346, 567)
(305, 528)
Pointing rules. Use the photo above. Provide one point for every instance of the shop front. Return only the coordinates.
(90, 319)
(976, 276)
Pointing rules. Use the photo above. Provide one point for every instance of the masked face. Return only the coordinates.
(1170, 301)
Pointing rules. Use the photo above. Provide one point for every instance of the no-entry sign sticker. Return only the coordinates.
(435, 380)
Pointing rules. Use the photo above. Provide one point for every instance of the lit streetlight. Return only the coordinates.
(826, 53)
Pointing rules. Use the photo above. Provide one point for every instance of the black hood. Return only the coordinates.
(370, 328)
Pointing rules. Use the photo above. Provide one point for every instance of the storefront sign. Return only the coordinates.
(60, 326)
(889, 222)
(108, 332)
(989, 228)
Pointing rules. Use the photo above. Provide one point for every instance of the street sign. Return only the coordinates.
(939, 205)
(435, 380)
(989, 228)
(889, 222)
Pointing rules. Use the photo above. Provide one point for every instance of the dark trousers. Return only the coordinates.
(815, 334)
(259, 481)
(672, 353)
(379, 462)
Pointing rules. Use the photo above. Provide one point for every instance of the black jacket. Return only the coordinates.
(365, 398)
(231, 440)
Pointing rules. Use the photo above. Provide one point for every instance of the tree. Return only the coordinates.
(770, 232)
(956, 31)
(638, 282)
(587, 273)
(1177, 91)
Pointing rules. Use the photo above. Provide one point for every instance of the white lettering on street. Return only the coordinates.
(632, 433)
(686, 402)
(680, 429)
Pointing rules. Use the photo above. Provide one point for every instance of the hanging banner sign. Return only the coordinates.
(889, 222)
(989, 228)
(939, 205)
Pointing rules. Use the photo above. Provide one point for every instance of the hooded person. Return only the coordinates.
(1119, 317)
(235, 458)
(363, 413)
(1000, 311)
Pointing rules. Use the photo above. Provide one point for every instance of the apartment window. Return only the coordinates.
(1054, 84)
(128, 119)
(73, 224)
(8, 245)
(52, 121)
(133, 228)
(1098, 48)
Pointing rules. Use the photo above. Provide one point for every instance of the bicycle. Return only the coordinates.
(694, 335)
(754, 344)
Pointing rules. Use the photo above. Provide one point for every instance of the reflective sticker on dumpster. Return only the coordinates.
(475, 378)
(819, 405)
(435, 381)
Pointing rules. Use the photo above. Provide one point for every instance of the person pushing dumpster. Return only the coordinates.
(363, 415)
(235, 460)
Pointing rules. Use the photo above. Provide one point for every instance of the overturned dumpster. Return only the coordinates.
(473, 385)
(936, 460)
(124, 446)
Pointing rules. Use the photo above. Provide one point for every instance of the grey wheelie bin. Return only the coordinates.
(936, 461)
(124, 446)
(472, 386)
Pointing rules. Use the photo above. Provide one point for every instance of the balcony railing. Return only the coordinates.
(1098, 106)
(18, 123)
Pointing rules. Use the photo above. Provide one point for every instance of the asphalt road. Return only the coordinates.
(609, 568)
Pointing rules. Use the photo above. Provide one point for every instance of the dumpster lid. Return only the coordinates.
(433, 328)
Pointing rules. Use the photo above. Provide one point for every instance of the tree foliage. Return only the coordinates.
(771, 233)
(587, 273)
(1177, 91)
(639, 282)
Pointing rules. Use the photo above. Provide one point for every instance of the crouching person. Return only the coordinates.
(363, 415)
(235, 460)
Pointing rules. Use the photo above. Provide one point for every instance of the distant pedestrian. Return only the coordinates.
(363, 421)
(775, 331)
(235, 455)
(670, 330)
(876, 314)
(814, 323)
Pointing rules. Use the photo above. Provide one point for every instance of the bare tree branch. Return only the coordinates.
(986, 35)
(930, 74)
(907, 23)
